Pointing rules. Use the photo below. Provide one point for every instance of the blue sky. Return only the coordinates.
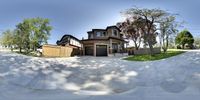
(76, 17)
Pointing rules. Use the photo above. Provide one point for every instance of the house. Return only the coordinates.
(104, 42)
(69, 40)
(100, 42)
(67, 46)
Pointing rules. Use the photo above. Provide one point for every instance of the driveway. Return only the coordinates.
(99, 78)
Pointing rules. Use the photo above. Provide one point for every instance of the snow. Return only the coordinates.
(99, 78)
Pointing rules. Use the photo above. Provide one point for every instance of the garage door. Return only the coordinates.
(101, 50)
(89, 50)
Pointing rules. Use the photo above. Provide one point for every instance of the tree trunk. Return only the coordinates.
(11, 48)
(136, 46)
(163, 44)
(20, 49)
(183, 46)
(167, 44)
(164, 50)
(151, 48)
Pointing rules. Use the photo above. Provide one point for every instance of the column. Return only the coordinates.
(110, 49)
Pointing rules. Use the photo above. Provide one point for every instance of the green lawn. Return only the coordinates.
(155, 57)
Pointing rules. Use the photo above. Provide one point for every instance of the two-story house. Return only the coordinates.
(69, 40)
(103, 42)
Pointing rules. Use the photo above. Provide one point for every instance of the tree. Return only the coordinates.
(23, 34)
(197, 42)
(7, 39)
(132, 30)
(32, 33)
(149, 17)
(167, 28)
(40, 32)
(184, 37)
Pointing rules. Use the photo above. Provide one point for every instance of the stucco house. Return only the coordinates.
(104, 42)
(100, 42)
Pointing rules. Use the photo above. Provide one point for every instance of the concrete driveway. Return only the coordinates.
(99, 78)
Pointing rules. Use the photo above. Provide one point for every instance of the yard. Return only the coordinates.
(99, 78)
(160, 56)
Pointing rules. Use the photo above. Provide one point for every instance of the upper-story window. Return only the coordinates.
(91, 36)
(103, 33)
(114, 33)
(100, 34)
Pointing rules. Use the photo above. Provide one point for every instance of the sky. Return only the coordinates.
(76, 17)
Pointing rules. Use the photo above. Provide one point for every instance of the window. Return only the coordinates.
(100, 34)
(103, 33)
(114, 32)
(114, 48)
(90, 36)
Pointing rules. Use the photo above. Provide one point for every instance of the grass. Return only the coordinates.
(160, 56)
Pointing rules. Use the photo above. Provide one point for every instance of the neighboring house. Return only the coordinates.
(3, 48)
(67, 46)
(104, 42)
(69, 40)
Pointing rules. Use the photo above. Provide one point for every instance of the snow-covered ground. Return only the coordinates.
(99, 78)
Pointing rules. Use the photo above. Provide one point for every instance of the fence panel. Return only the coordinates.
(58, 51)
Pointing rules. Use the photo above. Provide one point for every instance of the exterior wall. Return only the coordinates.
(108, 31)
(58, 51)
(94, 43)
(110, 48)
(3, 48)
(103, 37)
(109, 43)
(74, 42)
(109, 39)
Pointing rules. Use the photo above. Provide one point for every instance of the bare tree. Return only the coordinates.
(167, 28)
(132, 29)
(149, 17)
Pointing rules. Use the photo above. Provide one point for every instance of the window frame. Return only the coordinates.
(115, 32)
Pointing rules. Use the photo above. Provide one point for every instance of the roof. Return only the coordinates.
(68, 35)
(105, 39)
(104, 29)
(113, 27)
(62, 42)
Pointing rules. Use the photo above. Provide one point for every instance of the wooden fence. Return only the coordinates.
(144, 51)
(59, 51)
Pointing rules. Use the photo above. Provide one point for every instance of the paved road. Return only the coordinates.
(99, 78)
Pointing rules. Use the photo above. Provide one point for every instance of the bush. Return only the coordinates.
(178, 47)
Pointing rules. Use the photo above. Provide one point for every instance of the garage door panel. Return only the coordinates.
(89, 50)
(101, 50)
